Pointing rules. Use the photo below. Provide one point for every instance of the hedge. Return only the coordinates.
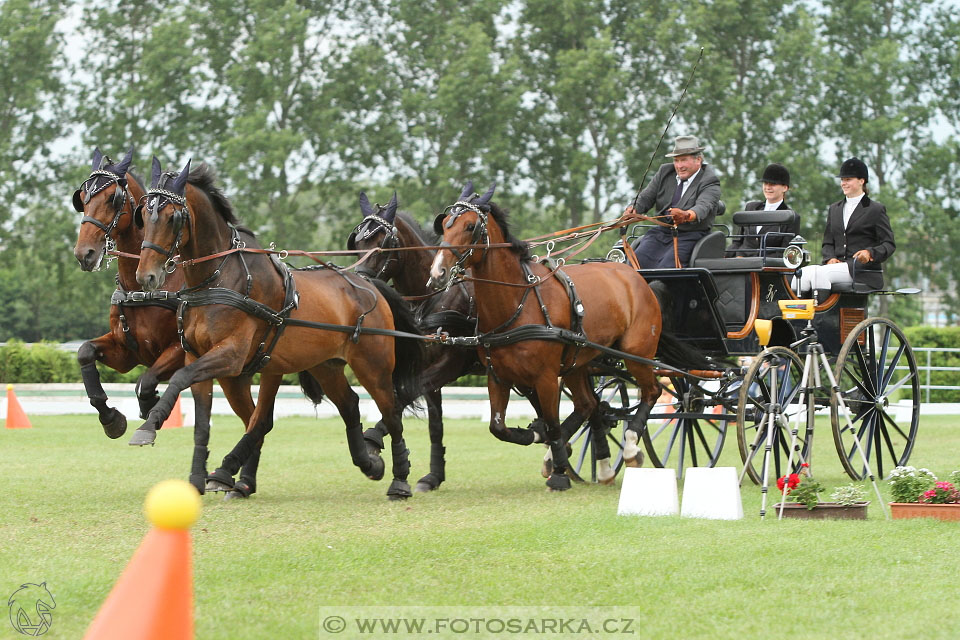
(944, 338)
(44, 362)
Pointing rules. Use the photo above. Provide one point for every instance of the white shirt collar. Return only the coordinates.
(772, 206)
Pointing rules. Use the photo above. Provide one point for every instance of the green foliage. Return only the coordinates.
(907, 484)
(807, 492)
(849, 494)
(42, 362)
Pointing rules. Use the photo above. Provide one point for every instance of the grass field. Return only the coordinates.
(318, 535)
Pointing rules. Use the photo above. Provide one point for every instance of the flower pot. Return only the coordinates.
(923, 510)
(823, 511)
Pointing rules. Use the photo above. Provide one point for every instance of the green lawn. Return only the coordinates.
(320, 536)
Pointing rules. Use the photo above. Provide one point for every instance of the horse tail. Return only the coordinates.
(409, 352)
(311, 388)
(671, 350)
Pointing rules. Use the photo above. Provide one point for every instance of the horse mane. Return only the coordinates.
(425, 237)
(137, 179)
(520, 247)
(204, 179)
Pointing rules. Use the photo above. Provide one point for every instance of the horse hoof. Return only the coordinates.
(143, 437)
(606, 479)
(632, 455)
(219, 481)
(558, 482)
(116, 424)
(376, 471)
(546, 469)
(240, 490)
(427, 483)
(399, 490)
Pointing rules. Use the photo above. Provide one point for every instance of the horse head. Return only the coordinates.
(377, 230)
(103, 199)
(462, 223)
(166, 225)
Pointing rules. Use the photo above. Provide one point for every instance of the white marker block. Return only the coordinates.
(648, 492)
(712, 493)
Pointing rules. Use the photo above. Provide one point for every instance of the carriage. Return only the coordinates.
(715, 304)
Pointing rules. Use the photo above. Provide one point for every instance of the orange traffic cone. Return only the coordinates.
(16, 418)
(153, 599)
(175, 419)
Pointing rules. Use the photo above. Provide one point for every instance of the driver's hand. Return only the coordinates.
(630, 214)
(681, 216)
(863, 256)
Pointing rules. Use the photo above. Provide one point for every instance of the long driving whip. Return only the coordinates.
(669, 120)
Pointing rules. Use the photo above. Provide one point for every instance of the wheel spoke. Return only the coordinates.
(865, 373)
(894, 361)
(692, 445)
(878, 375)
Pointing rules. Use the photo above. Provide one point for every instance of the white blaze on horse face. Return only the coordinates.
(436, 269)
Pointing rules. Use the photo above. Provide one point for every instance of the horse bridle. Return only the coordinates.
(157, 199)
(391, 240)
(83, 195)
(480, 235)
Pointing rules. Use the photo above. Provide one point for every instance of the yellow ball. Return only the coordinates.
(172, 504)
(9, 386)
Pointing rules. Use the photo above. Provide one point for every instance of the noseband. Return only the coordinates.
(391, 240)
(157, 199)
(480, 235)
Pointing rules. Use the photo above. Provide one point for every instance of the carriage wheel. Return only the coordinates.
(877, 377)
(688, 425)
(780, 368)
(613, 391)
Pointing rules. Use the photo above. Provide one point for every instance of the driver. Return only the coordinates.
(688, 191)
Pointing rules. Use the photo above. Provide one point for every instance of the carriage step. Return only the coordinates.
(648, 492)
(712, 493)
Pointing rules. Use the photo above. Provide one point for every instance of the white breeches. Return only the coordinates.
(822, 276)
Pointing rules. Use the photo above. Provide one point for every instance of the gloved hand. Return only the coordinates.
(681, 216)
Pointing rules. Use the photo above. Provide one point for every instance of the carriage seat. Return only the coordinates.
(852, 287)
(785, 218)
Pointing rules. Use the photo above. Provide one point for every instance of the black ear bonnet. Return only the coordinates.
(468, 201)
(104, 172)
(376, 218)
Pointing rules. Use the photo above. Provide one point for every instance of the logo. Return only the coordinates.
(30, 607)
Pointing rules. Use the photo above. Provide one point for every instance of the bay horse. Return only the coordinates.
(607, 303)
(143, 325)
(245, 311)
(451, 310)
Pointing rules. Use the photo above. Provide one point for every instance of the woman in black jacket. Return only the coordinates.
(857, 240)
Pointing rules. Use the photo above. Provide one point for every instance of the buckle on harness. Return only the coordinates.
(138, 296)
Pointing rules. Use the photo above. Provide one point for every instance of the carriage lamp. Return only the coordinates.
(797, 309)
(763, 329)
(794, 257)
(616, 254)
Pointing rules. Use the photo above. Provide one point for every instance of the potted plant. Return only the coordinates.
(917, 493)
(804, 493)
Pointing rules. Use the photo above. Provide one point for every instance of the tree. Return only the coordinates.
(30, 99)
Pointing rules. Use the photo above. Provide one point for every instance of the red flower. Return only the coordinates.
(792, 481)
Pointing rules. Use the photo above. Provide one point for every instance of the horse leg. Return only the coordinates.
(259, 425)
(237, 392)
(246, 484)
(336, 386)
(163, 367)
(650, 391)
(202, 406)
(548, 391)
(436, 476)
(499, 398)
(116, 356)
(377, 380)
